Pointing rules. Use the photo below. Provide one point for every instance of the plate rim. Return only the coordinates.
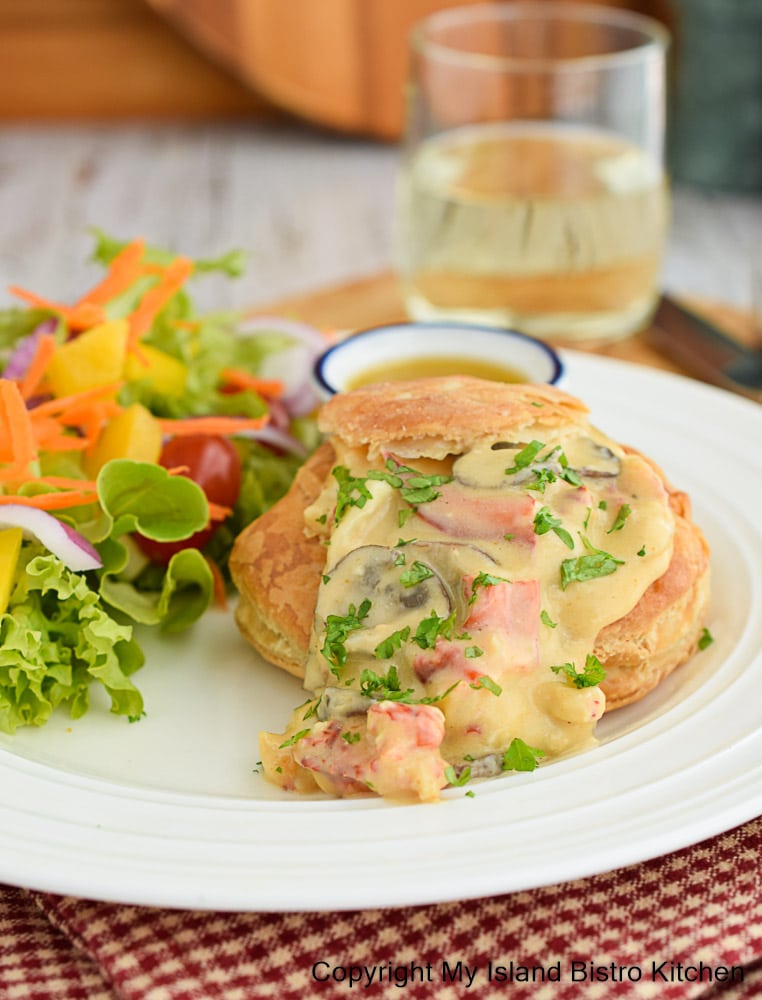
(31, 857)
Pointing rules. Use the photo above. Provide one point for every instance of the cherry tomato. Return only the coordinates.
(214, 464)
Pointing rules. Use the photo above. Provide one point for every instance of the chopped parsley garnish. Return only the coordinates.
(387, 687)
(621, 516)
(593, 673)
(545, 521)
(525, 457)
(405, 541)
(705, 639)
(431, 628)
(326, 578)
(473, 652)
(337, 628)
(351, 737)
(568, 474)
(415, 487)
(313, 709)
(488, 684)
(295, 738)
(521, 757)
(547, 620)
(386, 649)
(589, 567)
(543, 477)
(530, 455)
(404, 515)
(352, 492)
(383, 687)
(455, 779)
(603, 505)
(417, 573)
(642, 550)
(482, 580)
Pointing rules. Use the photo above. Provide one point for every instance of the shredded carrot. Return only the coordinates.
(218, 581)
(269, 388)
(65, 483)
(122, 271)
(212, 425)
(19, 437)
(172, 280)
(53, 407)
(44, 351)
(217, 512)
(53, 501)
(78, 317)
(86, 411)
(50, 437)
(90, 419)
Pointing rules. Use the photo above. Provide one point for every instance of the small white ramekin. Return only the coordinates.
(338, 367)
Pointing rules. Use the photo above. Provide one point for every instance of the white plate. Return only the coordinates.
(170, 811)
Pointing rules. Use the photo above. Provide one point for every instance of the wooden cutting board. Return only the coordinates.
(377, 300)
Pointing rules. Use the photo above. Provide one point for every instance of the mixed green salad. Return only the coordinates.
(137, 438)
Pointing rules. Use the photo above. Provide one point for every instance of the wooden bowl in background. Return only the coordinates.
(338, 63)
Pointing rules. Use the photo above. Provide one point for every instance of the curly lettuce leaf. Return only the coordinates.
(56, 639)
(232, 263)
(174, 600)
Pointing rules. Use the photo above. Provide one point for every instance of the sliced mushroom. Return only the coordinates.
(453, 561)
(342, 703)
(597, 461)
(484, 767)
(483, 467)
(401, 590)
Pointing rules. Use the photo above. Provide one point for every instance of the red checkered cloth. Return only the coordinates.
(683, 926)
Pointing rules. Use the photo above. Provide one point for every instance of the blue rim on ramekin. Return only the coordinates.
(556, 364)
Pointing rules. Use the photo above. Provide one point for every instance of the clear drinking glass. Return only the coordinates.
(532, 192)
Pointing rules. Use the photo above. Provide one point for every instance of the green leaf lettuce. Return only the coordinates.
(57, 638)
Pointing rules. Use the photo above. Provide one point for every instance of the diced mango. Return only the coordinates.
(94, 358)
(164, 373)
(10, 546)
(134, 433)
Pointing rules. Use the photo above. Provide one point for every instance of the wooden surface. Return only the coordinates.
(375, 301)
(312, 211)
(108, 59)
(119, 59)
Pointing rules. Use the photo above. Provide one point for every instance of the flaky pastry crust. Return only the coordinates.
(443, 416)
(277, 566)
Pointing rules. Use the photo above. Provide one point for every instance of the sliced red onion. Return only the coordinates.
(24, 351)
(277, 439)
(280, 417)
(303, 399)
(302, 333)
(68, 545)
(301, 396)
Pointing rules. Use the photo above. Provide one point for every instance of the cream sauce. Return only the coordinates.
(541, 533)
